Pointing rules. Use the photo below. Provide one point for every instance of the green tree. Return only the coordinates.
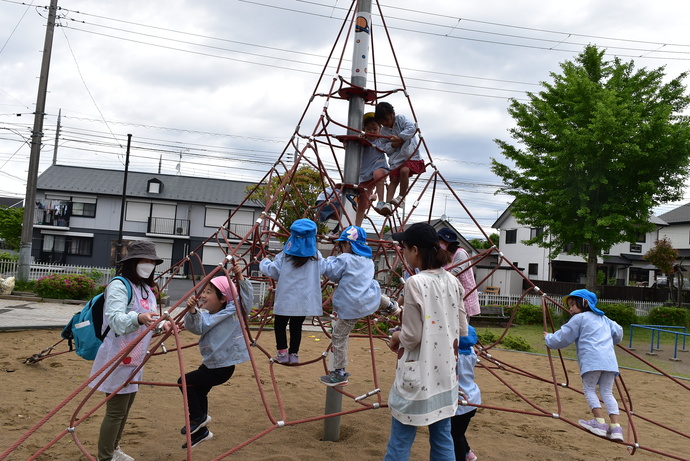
(604, 143)
(11, 226)
(664, 257)
(293, 200)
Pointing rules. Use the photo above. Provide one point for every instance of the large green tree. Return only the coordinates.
(599, 148)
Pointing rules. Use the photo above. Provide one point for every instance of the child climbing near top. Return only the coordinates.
(356, 296)
(298, 270)
(469, 392)
(403, 154)
(221, 344)
(595, 336)
(373, 168)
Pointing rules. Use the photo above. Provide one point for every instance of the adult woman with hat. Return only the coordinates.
(128, 311)
(298, 270)
(460, 267)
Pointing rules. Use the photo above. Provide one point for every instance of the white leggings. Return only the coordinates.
(605, 381)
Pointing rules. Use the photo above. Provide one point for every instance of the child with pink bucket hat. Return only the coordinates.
(222, 345)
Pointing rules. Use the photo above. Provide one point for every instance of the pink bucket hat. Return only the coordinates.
(228, 289)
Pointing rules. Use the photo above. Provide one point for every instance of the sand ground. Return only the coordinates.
(30, 392)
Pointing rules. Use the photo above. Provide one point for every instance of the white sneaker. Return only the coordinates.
(386, 209)
(119, 455)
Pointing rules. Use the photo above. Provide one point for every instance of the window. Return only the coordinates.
(535, 232)
(137, 211)
(533, 269)
(87, 210)
(154, 186)
(80, 246)
(641, 238)
(635, 248)
(216, 217)
(511, 236)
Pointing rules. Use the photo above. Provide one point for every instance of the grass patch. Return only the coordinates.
(534, 336)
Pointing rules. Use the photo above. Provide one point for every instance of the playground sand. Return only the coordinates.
(30, 392)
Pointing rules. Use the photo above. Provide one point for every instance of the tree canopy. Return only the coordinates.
(600, 147)
(11, 226)
(294, 200)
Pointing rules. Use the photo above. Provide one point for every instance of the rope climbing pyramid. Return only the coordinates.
(319, 155)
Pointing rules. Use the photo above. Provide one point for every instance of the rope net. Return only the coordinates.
(286, 197)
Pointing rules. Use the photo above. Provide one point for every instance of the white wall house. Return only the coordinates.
(623, 263)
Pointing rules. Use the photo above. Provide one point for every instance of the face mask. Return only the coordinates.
(145, 269)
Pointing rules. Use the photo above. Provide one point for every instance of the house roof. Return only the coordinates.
(71, 179)
(12, 202)
(677, 215)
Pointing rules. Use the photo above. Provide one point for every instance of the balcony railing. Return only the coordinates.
(168, 226)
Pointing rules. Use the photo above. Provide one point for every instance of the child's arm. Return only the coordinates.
(407, 129)
(616, 331)
(272, 268)
(334, 268)
(566, 335)
(246, 289)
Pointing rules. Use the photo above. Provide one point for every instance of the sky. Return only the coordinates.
(216, 88)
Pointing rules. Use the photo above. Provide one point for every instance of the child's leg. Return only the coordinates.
(606, 391)
(589, 388)
(458, 427)
(440, 441)
(295, 333)
(279, 326)
(392, 187)
(362, 206)
(400, 441)
(199, 384)
(380, 178)
(404, 180)
(340, 337)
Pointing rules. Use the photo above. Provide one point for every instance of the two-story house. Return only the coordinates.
(79, 214)
(622, 263)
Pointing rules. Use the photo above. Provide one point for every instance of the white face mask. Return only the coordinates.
(145, 269)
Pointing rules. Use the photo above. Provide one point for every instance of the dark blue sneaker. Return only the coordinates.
(334, 379)
(195, 427)
(199, 437)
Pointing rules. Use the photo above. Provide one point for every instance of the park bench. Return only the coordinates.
(490, 314)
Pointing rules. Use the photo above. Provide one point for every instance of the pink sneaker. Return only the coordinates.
(470, 456)
(595, 427)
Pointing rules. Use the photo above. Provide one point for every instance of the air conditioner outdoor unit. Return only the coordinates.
(179, 231)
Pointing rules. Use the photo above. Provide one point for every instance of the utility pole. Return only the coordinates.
(57, 137)
(24, 267)
(124, 201)
(353, 159)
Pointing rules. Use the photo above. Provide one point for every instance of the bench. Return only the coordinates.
(492, 290)
(490, 314)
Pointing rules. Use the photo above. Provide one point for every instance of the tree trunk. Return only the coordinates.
(592, 266)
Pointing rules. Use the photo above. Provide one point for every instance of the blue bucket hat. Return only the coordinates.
(588, 296)
(466, 342)
(302, 241)
(358, 240)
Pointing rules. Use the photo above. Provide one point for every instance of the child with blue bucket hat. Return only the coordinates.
(595, 336)
(298, 270)
(468, 393)
(356, 296)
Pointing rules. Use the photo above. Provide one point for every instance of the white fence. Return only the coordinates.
(38, 270)
(642, 308)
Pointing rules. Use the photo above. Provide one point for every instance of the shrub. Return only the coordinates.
(65, 286)
(622, 313)
(5, 256)
(29, 285)
(516, 343)
(527, 314)
(487, 337)
(668, 316)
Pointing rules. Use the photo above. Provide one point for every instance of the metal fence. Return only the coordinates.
(642, 308)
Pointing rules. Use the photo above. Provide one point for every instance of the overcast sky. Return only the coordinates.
(216, 88)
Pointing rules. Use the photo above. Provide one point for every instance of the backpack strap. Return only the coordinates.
(129, 297)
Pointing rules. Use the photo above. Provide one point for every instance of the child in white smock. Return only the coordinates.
(468, 393)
